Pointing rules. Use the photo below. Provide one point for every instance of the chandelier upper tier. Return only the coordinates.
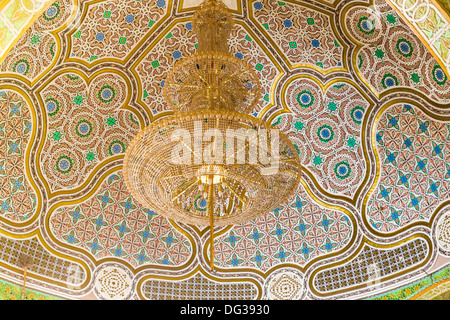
(211, 162)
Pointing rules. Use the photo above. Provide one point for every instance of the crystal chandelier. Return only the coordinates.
(211, 162)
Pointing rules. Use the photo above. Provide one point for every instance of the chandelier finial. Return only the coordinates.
(212, 23)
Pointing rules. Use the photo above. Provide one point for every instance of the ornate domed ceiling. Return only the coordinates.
(363, 100)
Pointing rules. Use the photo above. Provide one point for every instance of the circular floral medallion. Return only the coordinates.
(22, 66)
(325, 133)
(389, 80)
(83, 128)
(284, 284)
(52, 12)
(106, 94)
(305, 99)
(404, 47)
(113, 282)
(64, 164)
(357, 114)
(342, 170)
(52, 105)
(116, 146)
(366, 25)
(439, 75)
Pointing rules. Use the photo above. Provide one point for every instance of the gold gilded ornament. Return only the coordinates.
(211, 162)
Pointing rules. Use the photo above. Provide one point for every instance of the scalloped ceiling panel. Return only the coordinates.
(364, 101)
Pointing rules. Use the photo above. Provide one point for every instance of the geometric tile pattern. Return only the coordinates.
(391, 48)
(298, 231)
(37, 49)
(44, 263)
(15, 18)
(414, 153)
(112, 224)
(31, 55)
(371, 265)
(114, 28)
(85, 126)
(197, 287)
(430, 20)
(17, 197)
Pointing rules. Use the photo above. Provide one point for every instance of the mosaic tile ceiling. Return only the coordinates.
(364, 101)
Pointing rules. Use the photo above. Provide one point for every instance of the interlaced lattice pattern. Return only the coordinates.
(198, 287)
(360, 270)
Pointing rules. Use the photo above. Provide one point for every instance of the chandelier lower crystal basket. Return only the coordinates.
(205, 165)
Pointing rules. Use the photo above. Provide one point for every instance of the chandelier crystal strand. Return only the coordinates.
(211, 216)
(208, 164)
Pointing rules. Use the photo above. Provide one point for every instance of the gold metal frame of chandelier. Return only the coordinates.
(155, 184)
(148, 148)
(210, 85)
